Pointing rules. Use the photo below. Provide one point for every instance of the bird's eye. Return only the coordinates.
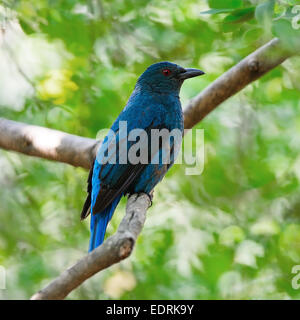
(166, 72)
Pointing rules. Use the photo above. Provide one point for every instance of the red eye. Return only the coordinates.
(166, 72)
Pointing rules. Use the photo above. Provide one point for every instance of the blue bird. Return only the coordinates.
(154, 104)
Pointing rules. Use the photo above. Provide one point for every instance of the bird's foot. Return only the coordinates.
(150, 196)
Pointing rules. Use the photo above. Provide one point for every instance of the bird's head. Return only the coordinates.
(165, 77)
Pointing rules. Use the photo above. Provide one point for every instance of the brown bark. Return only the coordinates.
(47, 143)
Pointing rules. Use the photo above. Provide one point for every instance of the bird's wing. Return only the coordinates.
(107, 180)
(87, 204)
(116, 178)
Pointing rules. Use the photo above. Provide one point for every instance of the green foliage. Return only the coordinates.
(220, 4)
(230, 233)
(264, 11)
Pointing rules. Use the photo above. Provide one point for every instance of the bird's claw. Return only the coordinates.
(150, 196)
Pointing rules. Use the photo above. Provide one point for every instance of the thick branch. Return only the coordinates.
(114, 249)
(47, 143)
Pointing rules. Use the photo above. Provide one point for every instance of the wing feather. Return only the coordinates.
(115, 179)
(87, 204)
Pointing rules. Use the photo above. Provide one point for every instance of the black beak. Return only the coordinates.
(190, 73)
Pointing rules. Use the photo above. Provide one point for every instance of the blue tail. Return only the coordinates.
(99, 222)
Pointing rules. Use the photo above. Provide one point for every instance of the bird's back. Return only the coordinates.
(146, 109)
(161, 111)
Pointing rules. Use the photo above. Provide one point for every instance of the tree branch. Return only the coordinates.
(235, 79)
(79, 151)
(47, 143)
(114, 249)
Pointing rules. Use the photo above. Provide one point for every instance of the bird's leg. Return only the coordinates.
(150, 195)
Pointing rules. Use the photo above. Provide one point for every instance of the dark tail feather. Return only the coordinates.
(99, 222)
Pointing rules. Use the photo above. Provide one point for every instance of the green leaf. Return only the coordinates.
(221, 4)
(240, 15)
(264, 11)
(216, 11)
(289, 36)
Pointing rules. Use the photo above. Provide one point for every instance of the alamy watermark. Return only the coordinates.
(296, 18)
(295, 10)
(2, 278)
(154, 146)
(296, 278)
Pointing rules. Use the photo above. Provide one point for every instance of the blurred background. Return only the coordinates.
(231, 233)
